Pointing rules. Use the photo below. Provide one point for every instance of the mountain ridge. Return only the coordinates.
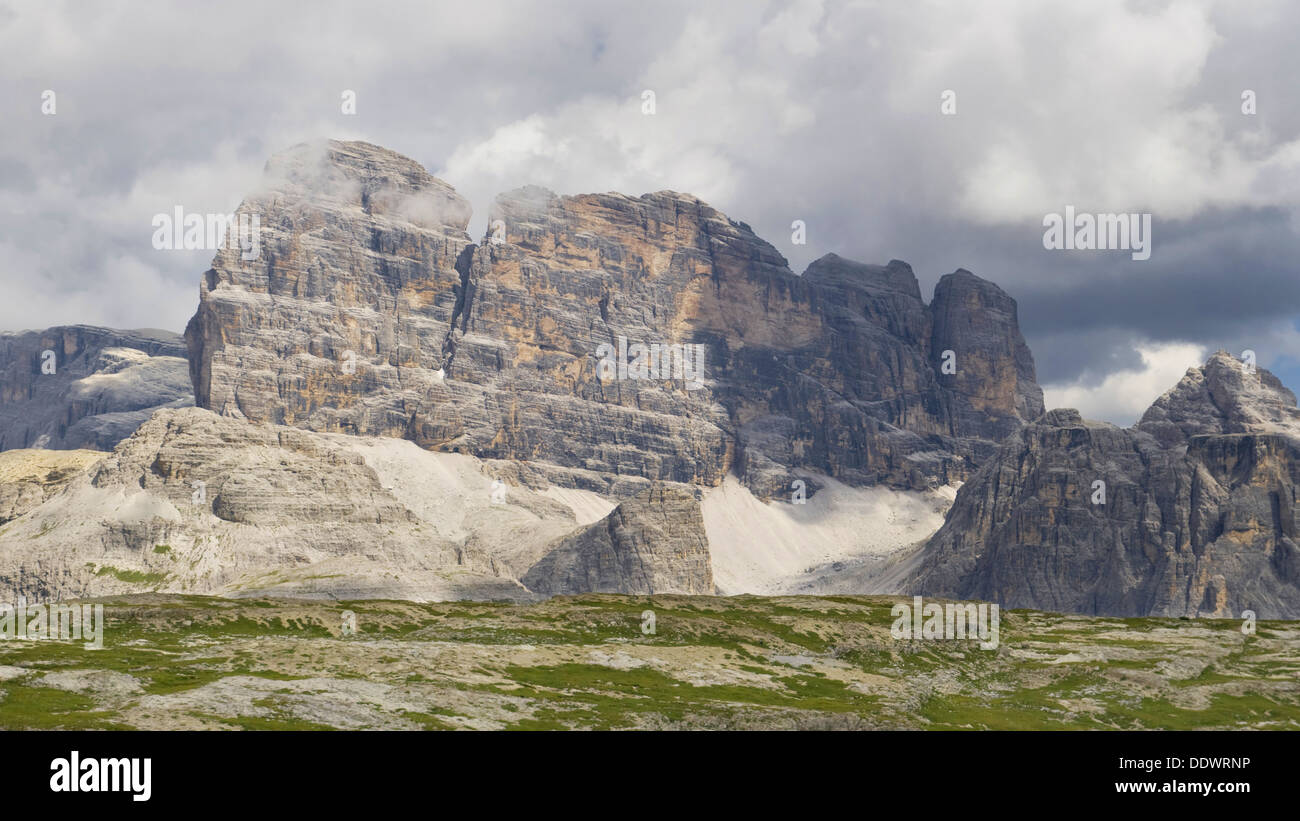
(1189, 512)
(446, 332)
(374, 347)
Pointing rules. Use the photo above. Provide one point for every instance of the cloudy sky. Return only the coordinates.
(814, 110)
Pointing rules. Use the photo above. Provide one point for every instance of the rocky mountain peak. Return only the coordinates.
(361, 175)
(1222, 396)
(1191, 512)
(835, 271)
(994, 377)
(370, 311)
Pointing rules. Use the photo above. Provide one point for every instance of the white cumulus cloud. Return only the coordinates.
(1121, 397)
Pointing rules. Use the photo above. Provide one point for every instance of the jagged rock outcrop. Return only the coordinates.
(993, 385)
(370, 311)
(85, 387)
(1198, 518)
(1223, 397)
(653, 542)
(593, 350)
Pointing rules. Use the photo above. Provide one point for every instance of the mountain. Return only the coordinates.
(612, 394)
(1198, 516)
(85, 387)
(609, 394)
(370, 311)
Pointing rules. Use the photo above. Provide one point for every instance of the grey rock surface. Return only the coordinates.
(195, 502)
(105, 384)
(370, 311)
(653, 542)
(1198, 519)
(29, 477)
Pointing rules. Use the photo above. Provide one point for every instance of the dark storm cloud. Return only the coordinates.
(1223, 279)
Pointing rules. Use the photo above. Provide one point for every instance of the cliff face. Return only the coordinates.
(993, 386)
(341, 321)
(1198, 519)
(640, 347)
(84, 387)
(370, 311)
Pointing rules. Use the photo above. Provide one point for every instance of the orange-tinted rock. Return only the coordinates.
(496, 349)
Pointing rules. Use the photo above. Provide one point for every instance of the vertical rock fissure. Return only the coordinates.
(460, 311)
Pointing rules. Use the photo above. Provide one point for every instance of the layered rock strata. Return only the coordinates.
(653, 542)
(603, 334)
(84, 387)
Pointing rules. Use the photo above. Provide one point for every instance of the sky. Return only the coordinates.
(939, 133)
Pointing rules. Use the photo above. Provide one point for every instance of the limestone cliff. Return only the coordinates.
(370, 311)
(373, 381)
(194, 502)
